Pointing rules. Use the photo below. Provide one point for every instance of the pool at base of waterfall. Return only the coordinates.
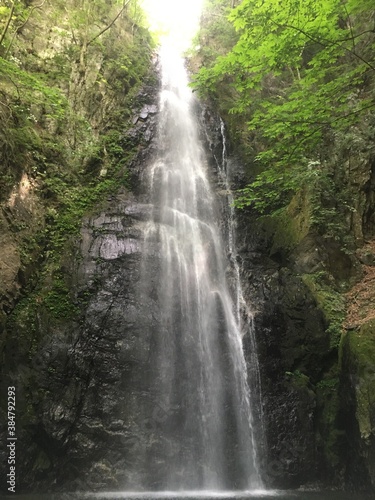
(204, 495)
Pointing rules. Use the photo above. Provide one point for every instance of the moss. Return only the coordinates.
(23, 320)
(361, 345)
(298, 379)
(330, 301)
(328, 403)
(328, 384)
(293, 223)
(42, 462)
(75, 202)
(58, 301)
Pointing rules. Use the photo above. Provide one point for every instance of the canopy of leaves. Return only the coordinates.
(300, 72)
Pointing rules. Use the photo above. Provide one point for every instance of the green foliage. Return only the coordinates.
(295, 373)
(273, 187)
(62, 117)
(299, 73)
(88, 18)
(22, 93)
(298, 379)
(29, 90)
(331, 205)
(12, 16)
(40, 131)
(58, 300)
(25, 85)
(127, 68)
(330, 384)
(217, 35)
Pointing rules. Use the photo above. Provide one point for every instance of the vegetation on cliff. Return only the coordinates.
(297, 76)
(71, 79)
(69, 73)
(295, 83)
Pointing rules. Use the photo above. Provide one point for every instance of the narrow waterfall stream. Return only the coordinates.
(197, 371)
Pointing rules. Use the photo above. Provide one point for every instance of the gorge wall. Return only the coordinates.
(78, 87)
(66, 98)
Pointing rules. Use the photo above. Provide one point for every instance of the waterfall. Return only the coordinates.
(244, 315)
(201, 435)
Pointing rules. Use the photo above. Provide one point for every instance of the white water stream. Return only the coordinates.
(199, 375)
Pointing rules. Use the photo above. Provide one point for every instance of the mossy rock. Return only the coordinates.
(361, 344)
(297, 380)
(329, 437)
(42, 463)
(293, 223)
(330, 301)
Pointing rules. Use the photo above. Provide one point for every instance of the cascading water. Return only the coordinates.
(244, 316)
(197, 377)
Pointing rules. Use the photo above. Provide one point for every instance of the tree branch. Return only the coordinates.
(324, 124)
(9, 109)
(126, 2)
(325, 43)
(350, 27)
(73, 36)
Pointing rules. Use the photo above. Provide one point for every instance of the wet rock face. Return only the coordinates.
(358, 384)
(105, 353)
(92, 371)
(292, 342)
(76, 387)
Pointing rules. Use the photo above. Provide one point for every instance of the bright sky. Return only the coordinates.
(179, 18)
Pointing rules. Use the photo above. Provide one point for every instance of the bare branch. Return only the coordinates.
(126, 2)
(73, 36)
(325, 43)
(9, 109)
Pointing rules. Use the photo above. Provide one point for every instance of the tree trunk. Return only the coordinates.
(7, 24)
